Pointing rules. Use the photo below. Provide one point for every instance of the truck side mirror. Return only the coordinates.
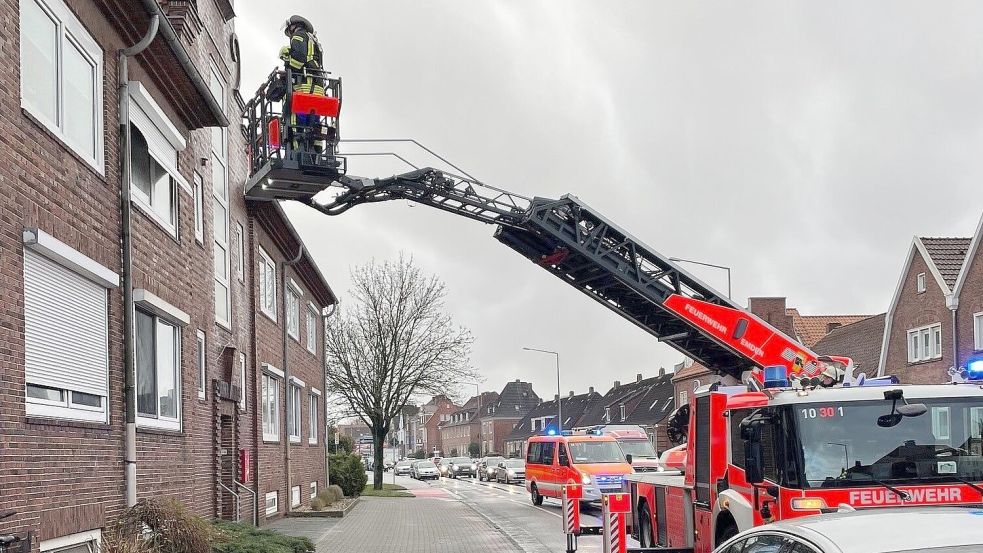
(753, 452)
(628, 458)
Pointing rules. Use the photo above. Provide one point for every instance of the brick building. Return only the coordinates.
(860, 341)
(500, 417)
(463, 427)
(645, 402)
(209, 374)
(541, 417)
(432, 413)
(935, 321)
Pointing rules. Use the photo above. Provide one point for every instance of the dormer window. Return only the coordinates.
(920, 286)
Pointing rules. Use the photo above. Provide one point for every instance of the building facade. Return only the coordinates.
(432, 414)
(209, 383)
(500, 417)
(645, 402)
(463, 428)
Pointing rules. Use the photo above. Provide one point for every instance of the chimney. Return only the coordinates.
(571, 393)
(590, 390)
(638, 377)
(556, 397)
(617, 383)
(517, 380)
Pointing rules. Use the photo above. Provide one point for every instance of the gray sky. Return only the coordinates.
(801, 143)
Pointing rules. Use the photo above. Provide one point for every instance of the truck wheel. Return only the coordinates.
(726, 532)
(645, 538)
(536, 498)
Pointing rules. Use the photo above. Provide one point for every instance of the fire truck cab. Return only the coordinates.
(755, 455)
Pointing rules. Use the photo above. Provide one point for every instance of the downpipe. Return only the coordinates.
(286, 375)
(325, 315)
(126, 207)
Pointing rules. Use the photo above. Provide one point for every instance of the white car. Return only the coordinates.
(886, 530)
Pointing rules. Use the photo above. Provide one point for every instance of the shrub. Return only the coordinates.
(244, 538)
(337, 494)
(348, 473)
(160, 526)
(318, 503)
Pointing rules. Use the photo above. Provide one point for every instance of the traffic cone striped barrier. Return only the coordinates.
(613, 509)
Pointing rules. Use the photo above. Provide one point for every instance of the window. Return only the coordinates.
(220, 212)
(546, 453)
(267, 285)
(201, 364)
(272, 503)
(271, 408)
(61, 76)
(607, 414)
(562, 458)
(622, 412)
(65, 320)
(925, 343)
(294, 408)
(293, 311)
(199, 191)
(82, 542)
(241, 258)
(295, 496)
(940, 423)
(683, 398)
(311, 329)
(978, 331)
(920, 283)
(158, 347)
(312, 419)
(313, 490)
(243, 382)
(152, 186)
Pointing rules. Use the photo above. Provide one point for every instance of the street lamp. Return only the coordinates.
(707, 265)
(846, 452)
(559, 409)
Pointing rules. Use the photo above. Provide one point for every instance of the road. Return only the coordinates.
(508, 508)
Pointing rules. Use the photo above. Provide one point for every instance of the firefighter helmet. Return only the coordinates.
(296, 20)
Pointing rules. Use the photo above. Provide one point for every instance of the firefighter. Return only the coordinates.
(303, 56)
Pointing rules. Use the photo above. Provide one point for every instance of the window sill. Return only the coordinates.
(150, 214)
(312, 443)
(159, 431)
(295, 439)
(924, 361)
(50, 421)
(91, 165)
(268, 315)
(223, 324)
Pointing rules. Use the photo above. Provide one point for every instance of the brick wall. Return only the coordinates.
(914, 310)
(970, 303)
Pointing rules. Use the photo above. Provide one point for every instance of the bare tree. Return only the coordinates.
(393, 341)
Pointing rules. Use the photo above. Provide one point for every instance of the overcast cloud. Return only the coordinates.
(803, 144)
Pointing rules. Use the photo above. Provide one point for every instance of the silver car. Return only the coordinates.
(424, 470)
(883, 530)
(403, 468)
(511, 470)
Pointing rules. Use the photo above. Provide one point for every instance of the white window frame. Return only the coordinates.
(314, 402)
(295, 496)
(920, 283)
(267, 273)
(243, 383)
(294, 410)
(271, 414)
(147, 204)
(91, 537)
(272, 507)
(683, 398)
(42, 244)
(201, 359)
(199, 202)
(220, 195)
(158, 421)
(978, 331)
(313, 490)
(241, 251)
(69, 30)
(293, 297)
(928, 345)
(623, 412)
(312, 316)
(939, 430)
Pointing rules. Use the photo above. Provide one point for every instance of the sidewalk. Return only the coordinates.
(403, 525)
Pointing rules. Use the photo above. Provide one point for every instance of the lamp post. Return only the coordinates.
(846, 452)
(707, 265)
(559, 409)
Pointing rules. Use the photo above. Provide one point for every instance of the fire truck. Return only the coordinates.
(786, 433)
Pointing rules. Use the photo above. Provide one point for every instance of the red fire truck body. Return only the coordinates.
(823, 448)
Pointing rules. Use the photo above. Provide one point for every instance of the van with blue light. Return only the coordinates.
(595, 462)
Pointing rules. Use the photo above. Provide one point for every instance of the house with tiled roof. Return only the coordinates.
(462, 428)
(645, 402)
(935, 321)
(860, 341)
(543, 416)
(499, 418)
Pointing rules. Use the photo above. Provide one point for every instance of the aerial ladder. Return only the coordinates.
(564, 236)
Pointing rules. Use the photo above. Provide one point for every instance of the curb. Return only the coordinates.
(325, 514)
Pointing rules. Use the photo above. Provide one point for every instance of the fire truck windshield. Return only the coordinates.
(638, 448)
(596, 452)
(843, 445)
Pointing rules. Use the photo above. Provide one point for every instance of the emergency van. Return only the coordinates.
(595, 462)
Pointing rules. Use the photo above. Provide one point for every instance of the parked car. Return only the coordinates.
(596, 462)
(511, 470)
(883, 530)
(461, 466)
(424, 470)
(487, 467)
(402, 467)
